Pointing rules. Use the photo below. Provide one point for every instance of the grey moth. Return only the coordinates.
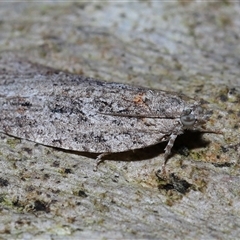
(73, 112)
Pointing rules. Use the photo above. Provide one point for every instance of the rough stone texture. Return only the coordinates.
(188, 47)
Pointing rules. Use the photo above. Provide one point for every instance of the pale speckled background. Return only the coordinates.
(181, 46)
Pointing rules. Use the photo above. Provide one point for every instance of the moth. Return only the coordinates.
(73, 112)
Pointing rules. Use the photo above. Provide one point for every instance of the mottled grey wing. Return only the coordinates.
(92, 132)
(73, 112)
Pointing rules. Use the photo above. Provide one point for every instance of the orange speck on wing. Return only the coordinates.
(138, 99)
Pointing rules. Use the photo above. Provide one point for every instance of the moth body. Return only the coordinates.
(83, 114)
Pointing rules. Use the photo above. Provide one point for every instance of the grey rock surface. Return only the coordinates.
(188, 47)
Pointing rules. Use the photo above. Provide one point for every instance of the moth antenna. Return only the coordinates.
(135, 115)
(209, 131)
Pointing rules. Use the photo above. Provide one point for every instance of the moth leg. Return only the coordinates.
(167, 150)
(99, 159)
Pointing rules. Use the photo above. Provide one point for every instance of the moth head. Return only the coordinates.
(193, 117)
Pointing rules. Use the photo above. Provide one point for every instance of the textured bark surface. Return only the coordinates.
(190, 48)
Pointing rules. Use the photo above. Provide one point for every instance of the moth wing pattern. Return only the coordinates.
(79, 113)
